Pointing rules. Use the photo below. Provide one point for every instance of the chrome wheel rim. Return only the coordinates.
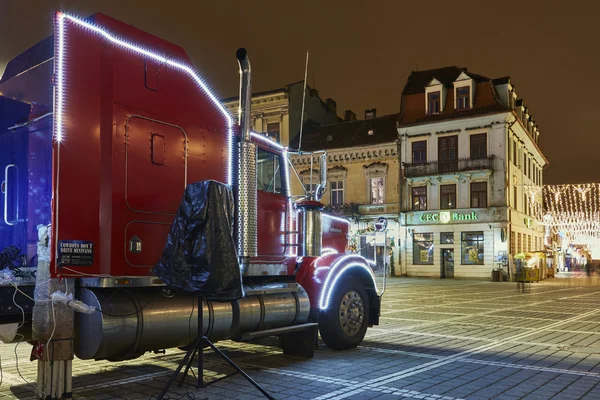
(352, 313)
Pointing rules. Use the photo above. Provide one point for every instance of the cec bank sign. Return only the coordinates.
(446, 216)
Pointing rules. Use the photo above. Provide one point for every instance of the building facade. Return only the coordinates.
(362, 179)
(472, 175)
(277, 113)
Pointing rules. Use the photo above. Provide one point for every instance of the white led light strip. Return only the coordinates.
(330, 283)
(333, 217)
(139, 50)
(267, 140)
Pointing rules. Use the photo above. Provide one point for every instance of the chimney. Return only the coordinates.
(331, 104)
(349, 115)
(370, 114)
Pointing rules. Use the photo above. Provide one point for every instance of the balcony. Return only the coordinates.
(447, 167)
(358, 210)
(348, 209)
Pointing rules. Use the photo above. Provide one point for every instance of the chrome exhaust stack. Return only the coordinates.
(246, 175)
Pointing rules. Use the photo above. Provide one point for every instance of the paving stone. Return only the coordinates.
(437, 340)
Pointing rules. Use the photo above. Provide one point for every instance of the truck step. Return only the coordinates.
(277, 331)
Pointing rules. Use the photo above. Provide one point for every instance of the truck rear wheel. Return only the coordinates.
(344, 324)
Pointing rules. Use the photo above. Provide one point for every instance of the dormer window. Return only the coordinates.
(433, 103)
(464, 91)
(463, 101)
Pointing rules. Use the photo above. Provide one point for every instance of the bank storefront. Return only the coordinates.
(461, 243)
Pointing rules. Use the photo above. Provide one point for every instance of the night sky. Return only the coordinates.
(361, 52)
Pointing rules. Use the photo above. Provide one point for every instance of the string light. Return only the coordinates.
(573, 212)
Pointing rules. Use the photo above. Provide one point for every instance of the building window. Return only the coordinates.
(273, 131)
(268, 172)
(433, 103)
(423, 248)
(419, 151)
(419, 198)
(472, 248)
(478, 194)
(515, 197)
(478, 146)
(447, 197)
(513, 243)
(463, 98)
(519, 243)
(515, 160)
(447, 238)
(448, 153)
(337, 193)
(377, 190)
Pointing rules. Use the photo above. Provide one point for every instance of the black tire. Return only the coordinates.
(339, 329)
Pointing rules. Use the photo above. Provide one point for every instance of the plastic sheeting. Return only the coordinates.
(200, 255)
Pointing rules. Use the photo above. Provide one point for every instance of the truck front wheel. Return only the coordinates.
(344, 324)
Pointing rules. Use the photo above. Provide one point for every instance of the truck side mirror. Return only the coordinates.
(322, 188)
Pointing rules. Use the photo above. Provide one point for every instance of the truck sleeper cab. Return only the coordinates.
(104, 127)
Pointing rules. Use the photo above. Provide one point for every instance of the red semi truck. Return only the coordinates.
(102, 128)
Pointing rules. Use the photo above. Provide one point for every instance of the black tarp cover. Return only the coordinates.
(200, 255)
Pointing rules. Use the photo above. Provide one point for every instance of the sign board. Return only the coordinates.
(447, 216)
(75, 253)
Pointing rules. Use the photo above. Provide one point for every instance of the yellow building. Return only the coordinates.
(362, 176)
(277, 113)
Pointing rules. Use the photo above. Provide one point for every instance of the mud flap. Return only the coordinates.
(300, 344)
(375, 308)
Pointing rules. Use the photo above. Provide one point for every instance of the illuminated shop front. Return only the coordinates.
(466, 243)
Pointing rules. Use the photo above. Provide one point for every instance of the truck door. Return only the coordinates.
(271, 203)
(13, 185)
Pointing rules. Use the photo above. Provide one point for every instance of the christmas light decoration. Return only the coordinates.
(573, 213)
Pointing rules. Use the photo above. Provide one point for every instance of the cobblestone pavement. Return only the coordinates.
(437, 340)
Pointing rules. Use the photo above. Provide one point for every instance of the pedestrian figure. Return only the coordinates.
(520, 277)
(588, 268)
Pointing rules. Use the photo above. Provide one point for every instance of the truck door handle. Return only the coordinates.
(5, 191)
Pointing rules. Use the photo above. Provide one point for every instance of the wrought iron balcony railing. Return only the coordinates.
(343, 209)
(354, 209)
(446, 167)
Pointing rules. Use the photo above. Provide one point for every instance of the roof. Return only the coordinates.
(264, 93)
(412, 109)
(417, 80)
(348, 133)
(254, 95)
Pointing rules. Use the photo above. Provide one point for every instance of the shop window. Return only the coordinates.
(423, 248)
(447, 238)
(447, 197)
(472, 248)
(419, 198)
(419, 152)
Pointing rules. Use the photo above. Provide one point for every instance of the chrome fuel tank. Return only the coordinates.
(137, 320)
